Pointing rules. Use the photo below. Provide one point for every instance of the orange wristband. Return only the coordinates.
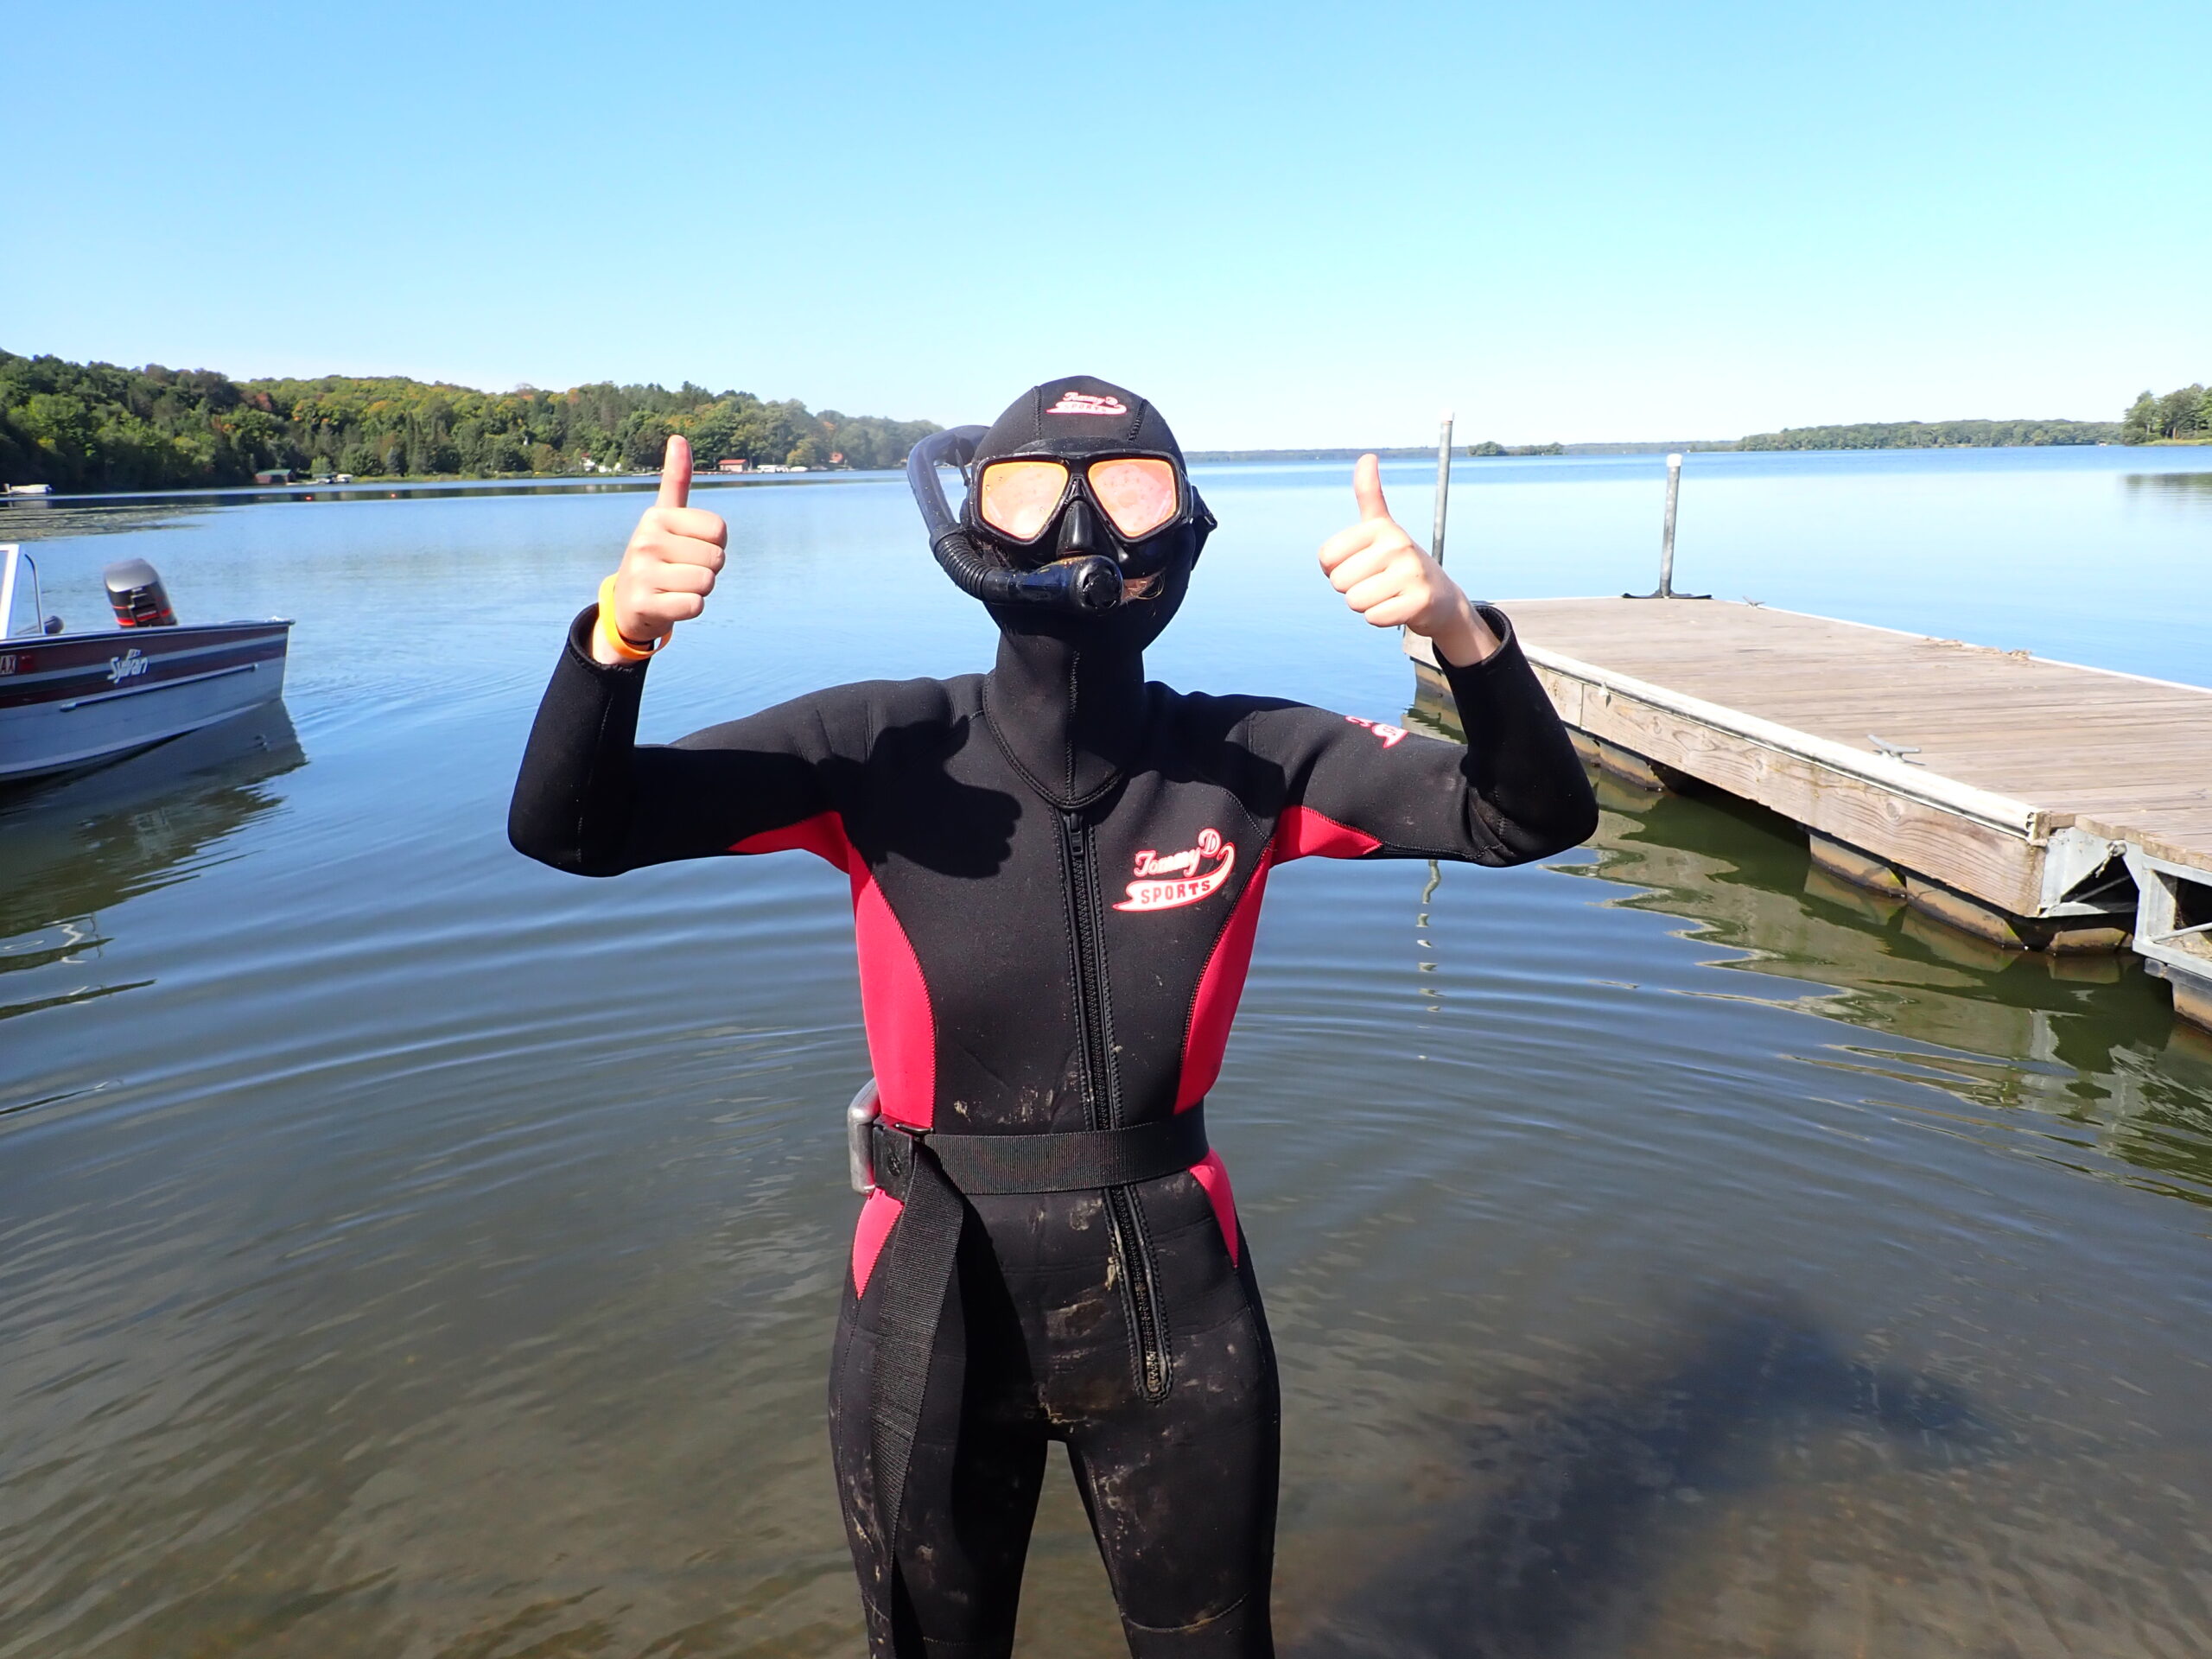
(611, 639)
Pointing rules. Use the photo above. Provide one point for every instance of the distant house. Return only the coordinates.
(733, 464)
(273, 475)
(836, 457)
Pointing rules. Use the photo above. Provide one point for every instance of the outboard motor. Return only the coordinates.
(137, 595)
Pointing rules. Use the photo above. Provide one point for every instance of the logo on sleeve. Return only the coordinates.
(1391, 736)
(1167, 880)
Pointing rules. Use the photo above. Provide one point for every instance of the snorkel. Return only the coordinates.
(1084, 585)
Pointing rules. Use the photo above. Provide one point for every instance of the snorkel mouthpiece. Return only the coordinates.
(1091, 582)
(1085, 585)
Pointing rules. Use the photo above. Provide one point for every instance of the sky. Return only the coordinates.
(1286, 223)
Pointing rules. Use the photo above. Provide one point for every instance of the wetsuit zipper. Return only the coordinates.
(1102, 1100)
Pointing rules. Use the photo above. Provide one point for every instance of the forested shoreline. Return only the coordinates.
(1935, 435)
(2184, 416)
(84, 427)
(93, 427)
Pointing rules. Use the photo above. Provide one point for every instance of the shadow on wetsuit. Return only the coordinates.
(1056, 870)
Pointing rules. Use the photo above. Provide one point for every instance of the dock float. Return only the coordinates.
(2041, 805)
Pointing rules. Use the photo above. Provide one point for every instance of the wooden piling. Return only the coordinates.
(1443, 487)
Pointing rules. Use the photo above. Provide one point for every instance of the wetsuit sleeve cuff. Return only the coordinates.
(1501, 661)
(580, 633)
(1501, 692)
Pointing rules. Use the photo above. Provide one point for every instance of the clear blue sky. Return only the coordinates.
(1286, 224)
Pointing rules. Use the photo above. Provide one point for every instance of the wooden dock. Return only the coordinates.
(2040, 804)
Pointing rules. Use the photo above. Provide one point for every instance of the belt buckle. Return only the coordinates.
(860, 1139)
(896, 1149)
(878, 1154)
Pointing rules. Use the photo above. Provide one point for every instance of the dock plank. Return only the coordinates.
(2073, 741)
(2027, 773)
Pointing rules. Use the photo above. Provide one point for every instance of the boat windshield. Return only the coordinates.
(22, 605)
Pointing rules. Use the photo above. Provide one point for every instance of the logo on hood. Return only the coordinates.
(1084, 403)
(1167, 880)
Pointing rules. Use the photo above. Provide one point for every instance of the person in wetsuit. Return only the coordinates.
(1057, 869)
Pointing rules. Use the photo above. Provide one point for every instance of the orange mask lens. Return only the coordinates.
(1139, 496)
(1018, 497)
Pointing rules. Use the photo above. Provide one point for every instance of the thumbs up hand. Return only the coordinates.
(1388, 578)
(669, 567)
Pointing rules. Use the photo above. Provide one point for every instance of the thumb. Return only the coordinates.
(1367, 488)
(676, 473)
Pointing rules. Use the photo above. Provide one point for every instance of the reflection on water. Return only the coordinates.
(2192, 488)
(28, 517)
(47, 518)
(2074, 1040)
(72, 847)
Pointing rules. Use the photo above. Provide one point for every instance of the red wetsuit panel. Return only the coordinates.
(895, 1008)
(1300, 832)
(1213, 1175)
(822, 834)
(1221, 985)
(894, 997)
(872, 1233)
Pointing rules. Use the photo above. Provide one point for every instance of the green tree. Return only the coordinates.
(2177, 412)
(2138, 424)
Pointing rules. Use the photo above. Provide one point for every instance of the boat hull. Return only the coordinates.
(74, 700)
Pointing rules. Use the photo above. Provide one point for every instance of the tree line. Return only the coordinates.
(2184, 414)
(94, 426)
(1935, 435)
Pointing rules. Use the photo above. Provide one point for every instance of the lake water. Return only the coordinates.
(405, 1249)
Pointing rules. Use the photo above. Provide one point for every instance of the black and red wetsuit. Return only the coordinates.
(1057, 871)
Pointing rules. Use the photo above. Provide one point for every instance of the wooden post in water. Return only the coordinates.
(1444, 487)
(1667, 536)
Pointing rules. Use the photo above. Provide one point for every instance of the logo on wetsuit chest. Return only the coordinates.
(1167, 879)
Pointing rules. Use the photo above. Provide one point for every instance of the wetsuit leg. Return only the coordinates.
(1038, 1345)
(1181, 1491)
(972, 1486)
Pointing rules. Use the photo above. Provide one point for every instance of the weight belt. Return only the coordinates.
(927, 1172)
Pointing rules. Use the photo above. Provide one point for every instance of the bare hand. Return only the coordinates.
(1388, 578)
(674, 555)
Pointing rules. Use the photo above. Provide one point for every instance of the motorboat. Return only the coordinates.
(72, 698)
